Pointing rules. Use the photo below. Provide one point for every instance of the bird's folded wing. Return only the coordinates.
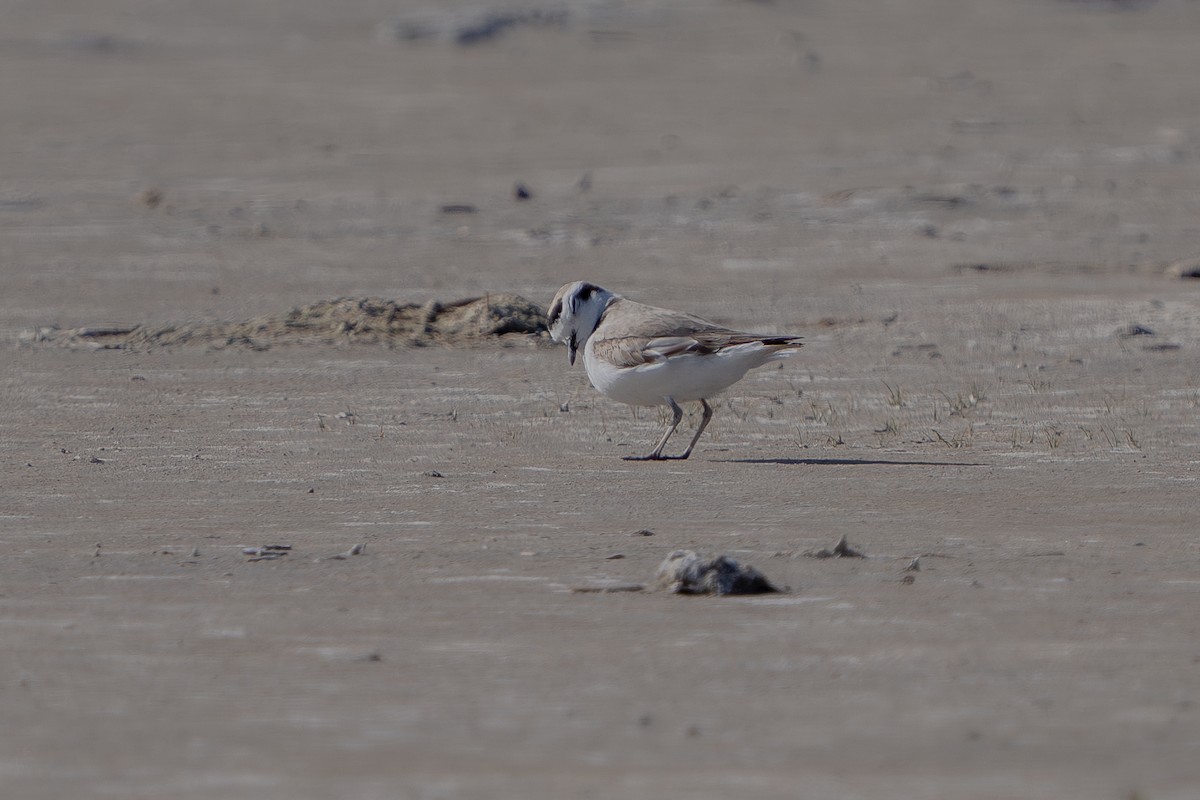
(625, 351)
(650, 334)
(664, 346)
(631, 351)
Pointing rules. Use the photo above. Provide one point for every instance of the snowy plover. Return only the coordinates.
(646, 356)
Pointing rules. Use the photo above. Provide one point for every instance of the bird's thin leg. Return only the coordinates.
(708, 413)
(677, 417)
(656, 453)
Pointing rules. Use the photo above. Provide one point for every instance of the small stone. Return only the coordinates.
(356, 550)
(150, 198)
(840, 550)
(1134, 330)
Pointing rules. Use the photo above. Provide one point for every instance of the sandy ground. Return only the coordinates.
(976, 213)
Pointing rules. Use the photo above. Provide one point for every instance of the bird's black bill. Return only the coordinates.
(571, 349)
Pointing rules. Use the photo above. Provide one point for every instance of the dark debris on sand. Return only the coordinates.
(685, 572)
(840, 550)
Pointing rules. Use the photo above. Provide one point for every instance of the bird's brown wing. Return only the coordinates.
(630, 334)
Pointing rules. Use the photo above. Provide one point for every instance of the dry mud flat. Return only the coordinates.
(328, 571)
(345, 551)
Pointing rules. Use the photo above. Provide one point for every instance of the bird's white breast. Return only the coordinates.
(685, 378)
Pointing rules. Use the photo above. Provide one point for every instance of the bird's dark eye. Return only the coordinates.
(555, 311)
(581, 295)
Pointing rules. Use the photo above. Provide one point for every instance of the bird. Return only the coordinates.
(643, 355)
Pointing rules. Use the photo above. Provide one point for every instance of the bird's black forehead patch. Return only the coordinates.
(586, 290)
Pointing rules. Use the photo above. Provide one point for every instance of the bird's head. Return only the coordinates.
(575, 312)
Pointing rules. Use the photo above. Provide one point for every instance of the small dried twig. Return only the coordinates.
(616, 587)
(267, 552)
